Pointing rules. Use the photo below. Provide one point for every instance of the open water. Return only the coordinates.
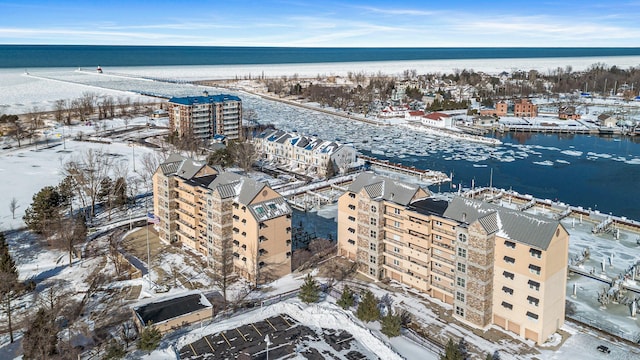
(589, 171)
(30, 56)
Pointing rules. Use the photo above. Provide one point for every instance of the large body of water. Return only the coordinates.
(589, 171)
(30, 56)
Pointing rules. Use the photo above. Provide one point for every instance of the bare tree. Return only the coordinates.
(244, 154)
(114, 253)
(72, 231)
(87, 172)
(13, 206)
(59, 110)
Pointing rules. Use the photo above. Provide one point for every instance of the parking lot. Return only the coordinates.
(287, 337)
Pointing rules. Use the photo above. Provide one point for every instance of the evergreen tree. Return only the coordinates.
(368, 308)
(347, 299)
(451, 351)
(309, 291)
(114, 351)
(462, 348)
(391, 325)
(9, 284)
(45, 209)
(120, 192)
(149, 338)
(41, 338)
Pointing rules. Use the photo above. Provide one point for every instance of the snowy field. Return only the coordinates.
(26, 170)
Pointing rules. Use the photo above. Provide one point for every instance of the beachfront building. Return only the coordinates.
(495, 266)
(241, 226)
(524, 108)
(567, 112)
(438, 120)
(205, 116)
(304, 154)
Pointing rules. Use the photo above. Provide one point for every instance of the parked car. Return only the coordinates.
(603, 349)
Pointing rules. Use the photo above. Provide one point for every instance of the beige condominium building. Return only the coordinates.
(242, 227)
(206, 116)
(494, 265)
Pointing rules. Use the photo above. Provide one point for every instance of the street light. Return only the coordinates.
(266, 339)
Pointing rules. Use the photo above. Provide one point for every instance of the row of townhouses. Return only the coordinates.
(494, 265)
(241, 226)
(304, 153)
(206, 116)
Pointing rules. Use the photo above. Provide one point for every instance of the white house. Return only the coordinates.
(438, 119)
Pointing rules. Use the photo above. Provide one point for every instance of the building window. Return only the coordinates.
(461, 282)
(532, 316)
(396, 224)
(509, 260)
(351, 218)
(459, 311)
(534, 269)
(439, 223)
(507, 290)
(396, 211)
(437, 237)
(534, 285)
(372, 259)
(352, 195)
(374, 234)
(533, 301)
(462, 267)
(459, 296)
(462, 238)
(396, 250)
(372, 271)
(510, 244)
(508, 275)
(352, 230)
(436, 278)
(352, 242)
(396, 262)
(372, 246)
(462, 252)
(352, 207)
(374, 208)
(373, 221)
(506, 305)
(535, 253)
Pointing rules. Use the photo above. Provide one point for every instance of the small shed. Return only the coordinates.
(172, 312)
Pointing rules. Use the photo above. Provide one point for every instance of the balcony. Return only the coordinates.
(443, 245)
(437, 257)
(442, 287)
(397, 242)
(395, 254)
(443, 273)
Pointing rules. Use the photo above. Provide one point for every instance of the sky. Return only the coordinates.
(357, 23)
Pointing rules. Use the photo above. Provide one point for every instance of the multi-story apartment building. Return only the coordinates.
(494, 265)
(206, 116)
(241, 226)
(304, 153)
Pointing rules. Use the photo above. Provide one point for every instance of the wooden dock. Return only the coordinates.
(435, 177)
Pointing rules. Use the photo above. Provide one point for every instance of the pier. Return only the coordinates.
(434, 177)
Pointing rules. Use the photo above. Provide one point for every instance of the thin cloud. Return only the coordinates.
(407, 12)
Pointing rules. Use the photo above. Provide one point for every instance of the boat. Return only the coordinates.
(99, 70)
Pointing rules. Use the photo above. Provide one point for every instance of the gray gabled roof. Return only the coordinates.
(533, 230)
(233, 185)
(181, 166)
(270, 209)
(382, 187)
